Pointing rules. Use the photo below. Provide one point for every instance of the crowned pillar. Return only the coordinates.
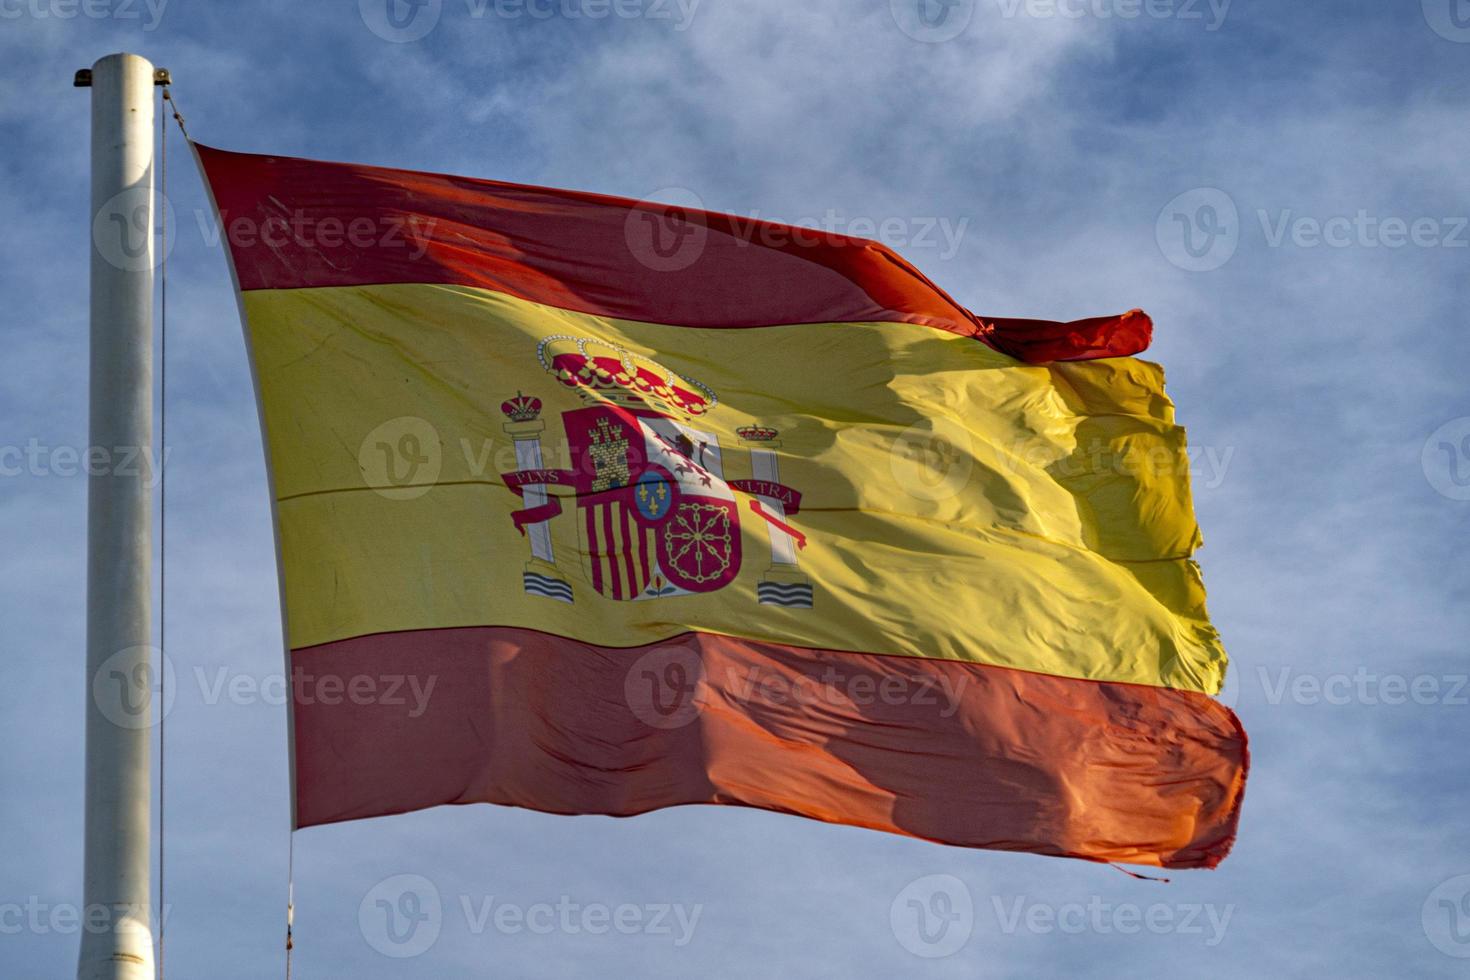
(540, 576)
(784, 583)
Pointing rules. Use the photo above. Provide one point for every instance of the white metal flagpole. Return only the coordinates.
(117, 942)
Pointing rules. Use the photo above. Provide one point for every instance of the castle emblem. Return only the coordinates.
(655, 516)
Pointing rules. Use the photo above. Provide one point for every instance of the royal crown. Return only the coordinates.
(757, 433)
(604, 372)
(521, 409)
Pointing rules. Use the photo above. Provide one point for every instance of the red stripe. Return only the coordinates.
(955, 752)
(634, 585)
(593, 557)
(294, 223)
(643, 535)
(609, 545)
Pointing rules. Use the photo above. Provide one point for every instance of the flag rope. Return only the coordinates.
(1134, 874)
(173, 107)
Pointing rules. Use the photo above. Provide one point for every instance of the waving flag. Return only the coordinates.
(590, 505)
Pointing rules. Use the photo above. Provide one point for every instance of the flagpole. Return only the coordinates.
(117, 941)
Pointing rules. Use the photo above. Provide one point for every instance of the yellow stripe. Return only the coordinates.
(956, 503)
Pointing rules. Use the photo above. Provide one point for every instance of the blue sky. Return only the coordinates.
(1281, 185)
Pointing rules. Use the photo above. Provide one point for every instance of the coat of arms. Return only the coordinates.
(655, 516)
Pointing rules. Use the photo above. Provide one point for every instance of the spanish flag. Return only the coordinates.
(597, 506)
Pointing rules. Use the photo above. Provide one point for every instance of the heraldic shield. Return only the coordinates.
(655, 515)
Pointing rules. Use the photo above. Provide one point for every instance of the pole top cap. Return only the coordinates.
(83, 77)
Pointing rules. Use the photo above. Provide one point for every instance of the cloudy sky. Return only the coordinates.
(1281, 185)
